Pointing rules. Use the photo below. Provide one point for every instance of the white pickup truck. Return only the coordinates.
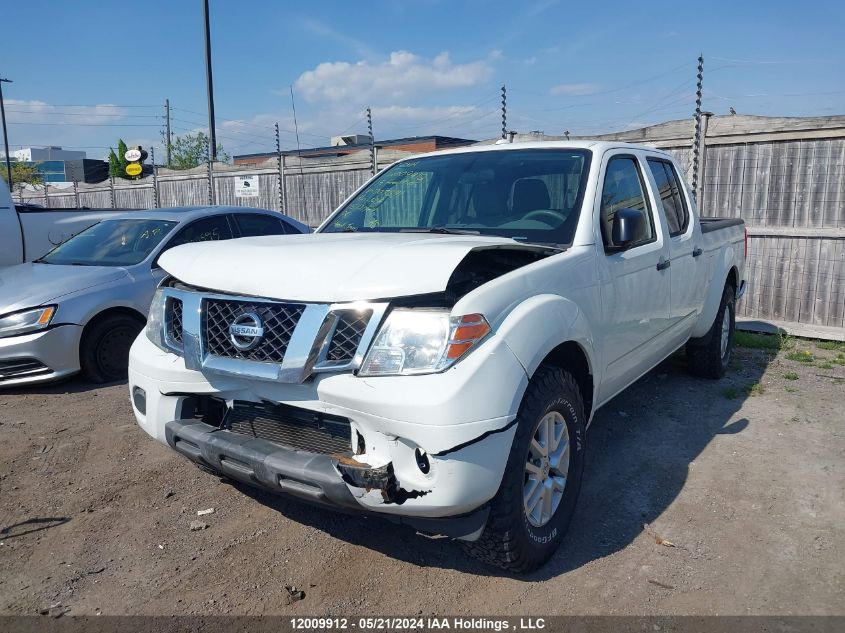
(435, 353)
(28, 232)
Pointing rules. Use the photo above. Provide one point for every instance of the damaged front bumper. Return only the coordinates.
(460, 423)
(326, 480)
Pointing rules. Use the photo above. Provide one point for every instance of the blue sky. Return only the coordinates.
(87, 73)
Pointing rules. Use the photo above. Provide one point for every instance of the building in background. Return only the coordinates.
(62, 165)
(51, 153)
(349, 144)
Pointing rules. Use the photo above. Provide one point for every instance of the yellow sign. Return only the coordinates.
(134, 169)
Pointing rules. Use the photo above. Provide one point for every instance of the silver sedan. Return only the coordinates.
(80, 306)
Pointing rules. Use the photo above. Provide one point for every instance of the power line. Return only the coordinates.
(86, 114)
(89, 124)
(85, 105)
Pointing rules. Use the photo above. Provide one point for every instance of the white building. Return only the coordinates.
(39, 154)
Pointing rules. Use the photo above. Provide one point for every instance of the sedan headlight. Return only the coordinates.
(155, 321)
(422, 341)
(26, 321)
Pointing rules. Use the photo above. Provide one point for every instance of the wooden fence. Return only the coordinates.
(784, 176)
(311, 188)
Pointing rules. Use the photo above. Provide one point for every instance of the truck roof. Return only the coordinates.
(594, 145)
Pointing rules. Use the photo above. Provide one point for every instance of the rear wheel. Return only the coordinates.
(531, 512)
(709, 356)
(104, 351)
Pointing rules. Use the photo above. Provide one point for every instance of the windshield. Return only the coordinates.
(111, 243)
(533, 195)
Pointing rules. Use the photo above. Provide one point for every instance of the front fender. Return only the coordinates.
(723, 261)
(541, 323)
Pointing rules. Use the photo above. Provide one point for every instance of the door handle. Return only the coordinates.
(696, 251)
(663, 264)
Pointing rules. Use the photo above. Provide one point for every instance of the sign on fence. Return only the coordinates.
(247, 187)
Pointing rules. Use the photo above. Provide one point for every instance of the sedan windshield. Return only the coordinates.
(526, 194)
(111, 243)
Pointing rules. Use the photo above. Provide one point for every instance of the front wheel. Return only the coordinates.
(104, 350)
(531, 512)
(709, 356)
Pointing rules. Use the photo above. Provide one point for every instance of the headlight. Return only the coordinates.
(26, 321)
(155, 321)
(419, 341)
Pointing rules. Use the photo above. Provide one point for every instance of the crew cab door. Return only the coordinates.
(635, 279)
(689, 268)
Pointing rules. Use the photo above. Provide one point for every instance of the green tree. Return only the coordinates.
(117, 160)
(23, 174)
(189, 151)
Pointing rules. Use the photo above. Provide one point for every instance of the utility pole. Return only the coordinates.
(5, 134)
(212, 136)
(167, 138)
(504, 111)
(372, 142)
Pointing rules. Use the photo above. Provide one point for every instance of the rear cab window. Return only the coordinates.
(670, 195)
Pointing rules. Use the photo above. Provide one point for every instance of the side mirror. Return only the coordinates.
(626, 225)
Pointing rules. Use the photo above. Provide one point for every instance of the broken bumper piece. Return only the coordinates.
(324, 480)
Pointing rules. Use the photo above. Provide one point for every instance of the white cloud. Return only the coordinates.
(396, 113)
(575, 89)
(398, 78)
(530, 61)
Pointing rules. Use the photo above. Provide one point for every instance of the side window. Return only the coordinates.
(671, 196)
(252, 224)
(623, 189)
(208, 229)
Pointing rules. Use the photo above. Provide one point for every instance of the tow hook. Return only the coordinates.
(382, 478)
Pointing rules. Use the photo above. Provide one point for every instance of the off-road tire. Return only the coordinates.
(104, 349)
(509, 541)
(704, 355)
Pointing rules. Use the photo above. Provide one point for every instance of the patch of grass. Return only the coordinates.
(833, 346)
(839, 360)
(754, 340)
(730, 393)
(791, 375)
(826, 365)
(756, 389)
(789, 389)
(802, 356)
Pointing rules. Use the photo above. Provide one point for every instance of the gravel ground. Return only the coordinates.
(700, 498)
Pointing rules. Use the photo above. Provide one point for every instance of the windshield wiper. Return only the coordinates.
(441, 229)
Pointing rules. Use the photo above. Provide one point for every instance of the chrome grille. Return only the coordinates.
(347, 334)
(279, 321)
(174, 321)
(291, 427)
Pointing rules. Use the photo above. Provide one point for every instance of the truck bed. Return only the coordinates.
(714, 224)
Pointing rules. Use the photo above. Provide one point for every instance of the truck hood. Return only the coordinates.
(31, 285)
(328, 267)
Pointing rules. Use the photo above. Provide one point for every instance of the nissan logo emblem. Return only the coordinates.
(246, 331)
